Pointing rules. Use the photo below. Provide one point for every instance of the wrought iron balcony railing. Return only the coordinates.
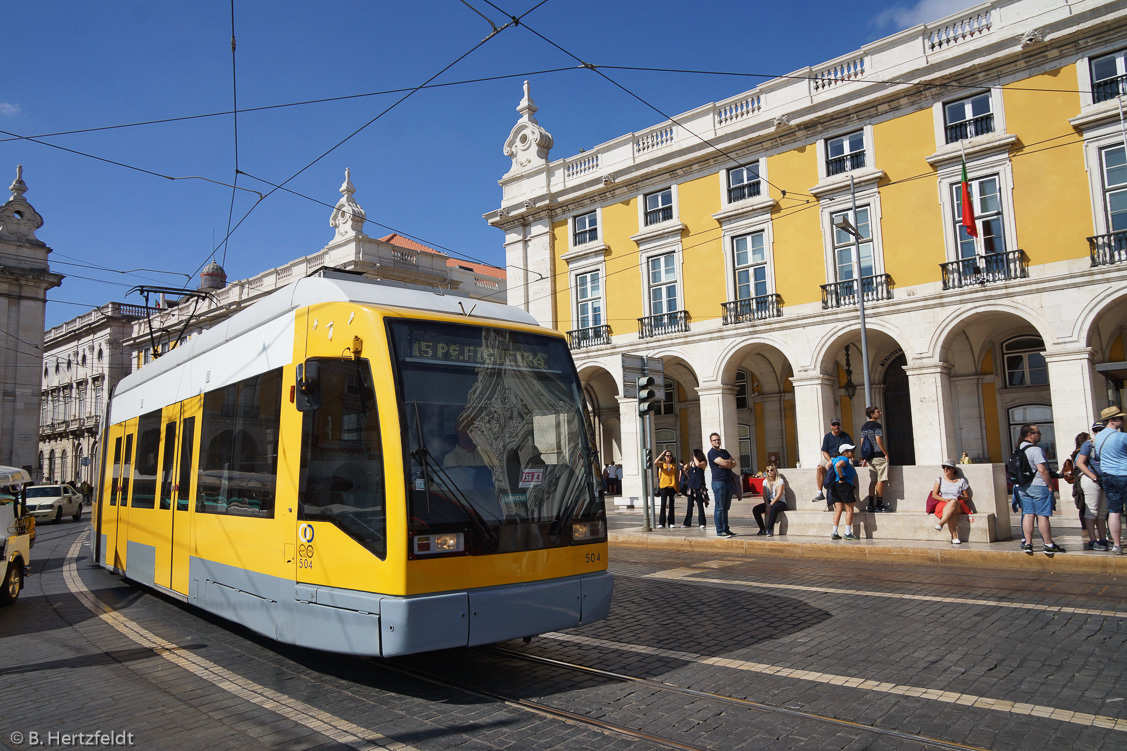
(976, 126)
(741, 192)
(840, 294)
(752, 309)
(987, 269)
(586, 236)
(841, 164)
(657, 216)
(1109, 88)
(593, 336)
(1108, 249)
(663, 324)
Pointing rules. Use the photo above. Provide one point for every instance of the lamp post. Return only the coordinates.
(846, 226)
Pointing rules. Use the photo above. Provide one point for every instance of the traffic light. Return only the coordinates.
(648, 398)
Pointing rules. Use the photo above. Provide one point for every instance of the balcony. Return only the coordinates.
(1108, 249)
(594, 336)
(752, 309)
(1109, 88)
(663, 324)
(657, 216)
(840, 294)
(839, 165)
(987, 269)
(585, 236)
(976, 126)
(742, 192)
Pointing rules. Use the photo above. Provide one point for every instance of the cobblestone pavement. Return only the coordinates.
(774, 652)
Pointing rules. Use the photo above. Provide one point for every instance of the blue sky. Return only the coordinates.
(427, 168)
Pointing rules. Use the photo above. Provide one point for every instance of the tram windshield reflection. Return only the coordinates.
(495, 440)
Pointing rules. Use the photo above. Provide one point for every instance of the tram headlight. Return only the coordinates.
(445, 542)
(587, 531)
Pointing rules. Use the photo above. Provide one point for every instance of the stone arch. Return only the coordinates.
(763, 413)
(958, 320)
(601, 392)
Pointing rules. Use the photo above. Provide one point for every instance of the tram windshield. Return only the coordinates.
(496, 445)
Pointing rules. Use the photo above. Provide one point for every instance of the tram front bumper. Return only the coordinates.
(493, 614)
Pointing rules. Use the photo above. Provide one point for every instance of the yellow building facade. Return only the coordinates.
(737, 241)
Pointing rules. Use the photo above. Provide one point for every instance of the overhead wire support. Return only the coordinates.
(235, 126)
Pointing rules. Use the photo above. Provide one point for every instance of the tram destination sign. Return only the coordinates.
(636, 366)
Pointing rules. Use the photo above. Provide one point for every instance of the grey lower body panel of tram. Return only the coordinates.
(369, 623)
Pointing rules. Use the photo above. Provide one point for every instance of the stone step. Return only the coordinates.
(885, 526)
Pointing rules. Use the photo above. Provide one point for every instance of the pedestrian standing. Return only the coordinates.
(831, 449)
(618, 479)
(1111, 450)
(842, 488)
(774, 502)
(693, 472)
(668, 478)
(721, 463)
(876, 458)
(1036, 496)
(1094, 511)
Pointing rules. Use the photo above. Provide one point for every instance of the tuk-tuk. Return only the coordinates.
(15, 532)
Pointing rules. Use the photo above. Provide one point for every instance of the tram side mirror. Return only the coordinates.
(308, 397)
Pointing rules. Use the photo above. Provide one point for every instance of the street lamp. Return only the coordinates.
(845, 225)
(850, 388)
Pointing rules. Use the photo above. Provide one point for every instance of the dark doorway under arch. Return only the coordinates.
(898, 413)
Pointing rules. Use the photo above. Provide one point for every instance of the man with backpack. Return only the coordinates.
(874, 456)
(1028, 469)
(1110, 448)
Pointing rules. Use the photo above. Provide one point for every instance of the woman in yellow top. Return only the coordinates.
(669, 477)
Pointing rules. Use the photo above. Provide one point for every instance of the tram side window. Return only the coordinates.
(186, 446)
(115, 482)
(166, 469)
(239, 448)
(342, 458)
(145, 466)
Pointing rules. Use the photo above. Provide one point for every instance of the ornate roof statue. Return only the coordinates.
(528, 143)
(348, 218)
(18, 220)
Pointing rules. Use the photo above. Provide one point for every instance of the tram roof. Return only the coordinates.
(327, 286)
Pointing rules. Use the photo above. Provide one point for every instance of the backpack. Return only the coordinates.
(831, 472)
(1018, 469)
(1068, 470)
(868, 450)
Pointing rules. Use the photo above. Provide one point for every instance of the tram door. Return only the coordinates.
(123, 485)
(108, 497)
(177, 486)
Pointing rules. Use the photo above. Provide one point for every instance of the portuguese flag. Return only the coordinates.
(968, 206)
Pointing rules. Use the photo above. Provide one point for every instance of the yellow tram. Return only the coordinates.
(362, 468)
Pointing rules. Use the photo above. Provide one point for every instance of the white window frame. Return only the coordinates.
(870, 155)
(978, 166)
(748, 226)
(857, 274)
(766, 263)
(676, 205)
(1105, 193)
(598, 243)
(966, 100)
(1024, 353)
(955, 220)
(824, 154)
(601, 298)
(868, 196)
(749, 439)
(760, 166)
(644, 257)
(1087, 85)
(939, 118)
(677, 281)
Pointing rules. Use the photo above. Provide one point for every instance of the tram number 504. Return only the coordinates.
(594, 557)
(304, 556)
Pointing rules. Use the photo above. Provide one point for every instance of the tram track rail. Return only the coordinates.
(623, 730)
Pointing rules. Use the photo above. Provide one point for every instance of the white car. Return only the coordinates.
(54, 502)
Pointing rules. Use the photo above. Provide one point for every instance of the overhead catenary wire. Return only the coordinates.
(235, 128)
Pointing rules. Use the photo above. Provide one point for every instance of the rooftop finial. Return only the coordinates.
(19, 187)
(528, 143)
(347, 218)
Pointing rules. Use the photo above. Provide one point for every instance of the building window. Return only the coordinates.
(81, 400)
(843, 244)
(659, 207)
(663, 284)
(1109, 76)
(745, 446)
(968, 117)
(1114, 169)
(43, 411)
(743, 183)
(589, 300)
(1040, 415)
(1025, 362)
(750, 259)
(668, 398)
(64, 475)
(986, 197)
(665, 440)
(741, 389)
(49, 474)
(586, 228)
(845, 153)
(97, 398)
